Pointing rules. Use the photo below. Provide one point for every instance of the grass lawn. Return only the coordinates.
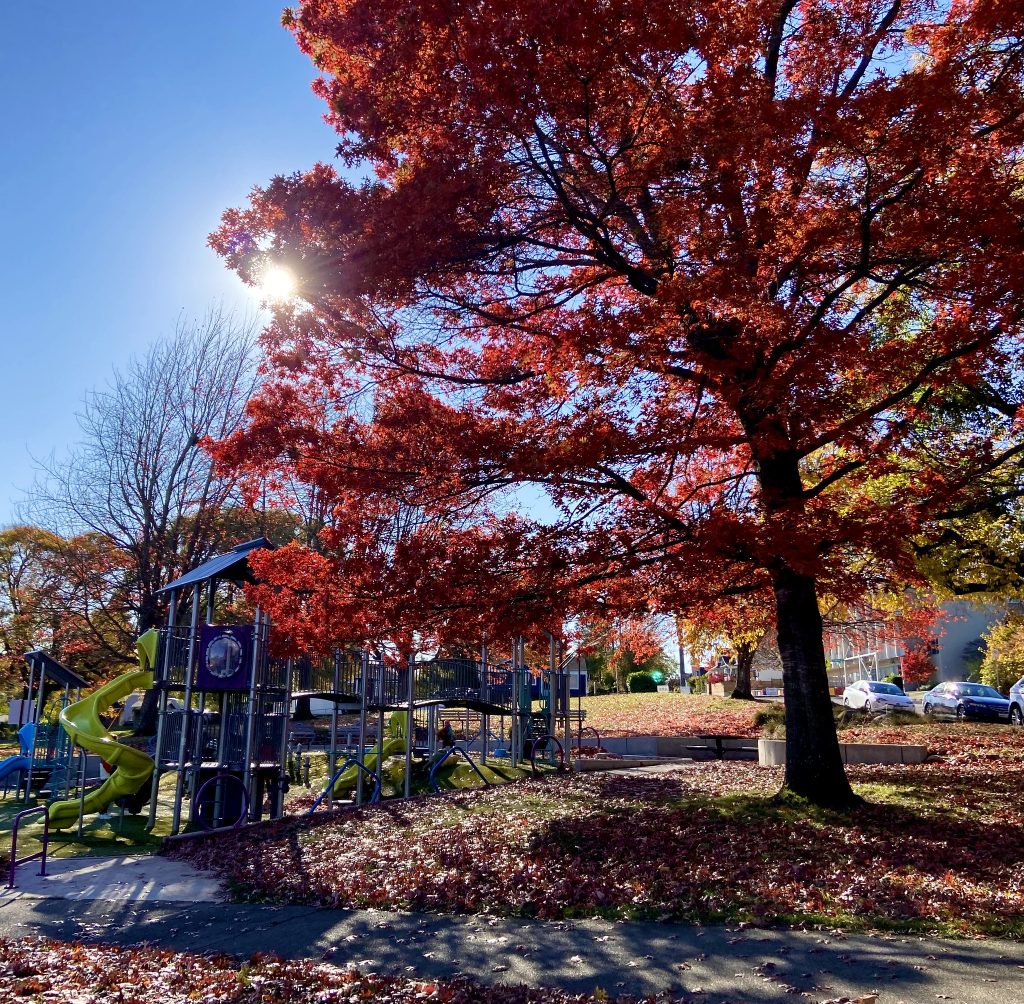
(939, 848)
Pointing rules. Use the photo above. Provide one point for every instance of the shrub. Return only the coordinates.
(641, 683)
(698, 684)
(896, 679)
(772, 719)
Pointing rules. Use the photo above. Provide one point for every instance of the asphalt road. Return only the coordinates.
(727, 964)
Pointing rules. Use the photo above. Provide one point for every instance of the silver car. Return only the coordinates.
(1017, 703)
(874, 696)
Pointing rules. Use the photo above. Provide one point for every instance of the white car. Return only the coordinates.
(873, 696)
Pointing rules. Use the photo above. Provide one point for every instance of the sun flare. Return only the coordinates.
(277, 284)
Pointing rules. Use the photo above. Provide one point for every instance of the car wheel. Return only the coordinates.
(1016, 716)
(846, 702)
(961, 713)
(927, 709)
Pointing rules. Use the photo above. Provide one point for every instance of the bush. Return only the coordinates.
(641, 683)
(698, 684)
(894, 678)
(772, 719)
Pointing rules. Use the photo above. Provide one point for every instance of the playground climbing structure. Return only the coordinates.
(224, 705)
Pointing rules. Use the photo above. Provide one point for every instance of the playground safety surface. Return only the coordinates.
(134, 900)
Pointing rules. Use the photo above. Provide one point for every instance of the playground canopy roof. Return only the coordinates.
(233, 566)
(55, 670)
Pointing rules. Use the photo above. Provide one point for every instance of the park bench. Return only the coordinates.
(717, 747)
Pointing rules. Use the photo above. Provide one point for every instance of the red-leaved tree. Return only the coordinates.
(702, 275)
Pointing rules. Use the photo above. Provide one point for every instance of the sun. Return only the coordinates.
(277, 284)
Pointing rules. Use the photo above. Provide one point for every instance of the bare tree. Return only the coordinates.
(139, 477)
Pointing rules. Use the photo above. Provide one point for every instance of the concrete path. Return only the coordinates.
(134, 878)
(728, 964)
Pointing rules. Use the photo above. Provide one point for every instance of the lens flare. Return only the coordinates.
(277, 284)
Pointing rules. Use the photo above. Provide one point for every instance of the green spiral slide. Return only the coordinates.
(81, 721)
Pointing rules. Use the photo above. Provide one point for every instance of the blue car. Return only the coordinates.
(964, 701)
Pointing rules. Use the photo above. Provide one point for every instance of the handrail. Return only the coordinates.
(537, 742)
(15, 860)
(351, 762)
(198, 800)
(456, 748)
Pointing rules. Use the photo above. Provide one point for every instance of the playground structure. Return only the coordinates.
(45, 762)
(228, 735)
(225, 731)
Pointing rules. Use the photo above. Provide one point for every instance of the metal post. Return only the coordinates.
(28, 692)
(37, 718)
(410, 730)
(568, 698)
(277, 809)
(186, 713)
(515, 729)
(485, 676)
(27, 779)
(250, 721)
(81, 793)
(169, 641)
(380, 724)
(333, 756)
(364, 679)
(71, 747)
(552, 685)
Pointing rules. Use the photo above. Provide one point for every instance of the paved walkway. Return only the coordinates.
(179, 909)
(132, 878)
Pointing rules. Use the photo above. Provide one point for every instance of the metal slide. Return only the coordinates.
(81, 721)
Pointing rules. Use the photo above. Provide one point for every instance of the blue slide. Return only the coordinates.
(13, 763)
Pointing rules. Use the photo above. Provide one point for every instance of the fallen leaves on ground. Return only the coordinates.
(616, 715)
(939, 847)
(77, 973)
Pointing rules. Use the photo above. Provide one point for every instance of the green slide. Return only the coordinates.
(81, 721)
(393, 746)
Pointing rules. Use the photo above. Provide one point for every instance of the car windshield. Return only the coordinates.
(884, 688)
(978, 690)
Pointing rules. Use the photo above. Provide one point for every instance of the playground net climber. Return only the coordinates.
(224, 731)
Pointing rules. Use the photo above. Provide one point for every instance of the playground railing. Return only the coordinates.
(543, 741)
(39, 855)
(465, 756)
(217, 782)
(588, 731)
(351, 762)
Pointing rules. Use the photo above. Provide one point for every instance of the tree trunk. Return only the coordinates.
(744, 664)
(814, 767)
(145, 717)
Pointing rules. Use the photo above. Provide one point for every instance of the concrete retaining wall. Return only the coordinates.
(674, 746)
(772, 752)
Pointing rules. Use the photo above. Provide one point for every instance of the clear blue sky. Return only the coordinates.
(128, 128)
